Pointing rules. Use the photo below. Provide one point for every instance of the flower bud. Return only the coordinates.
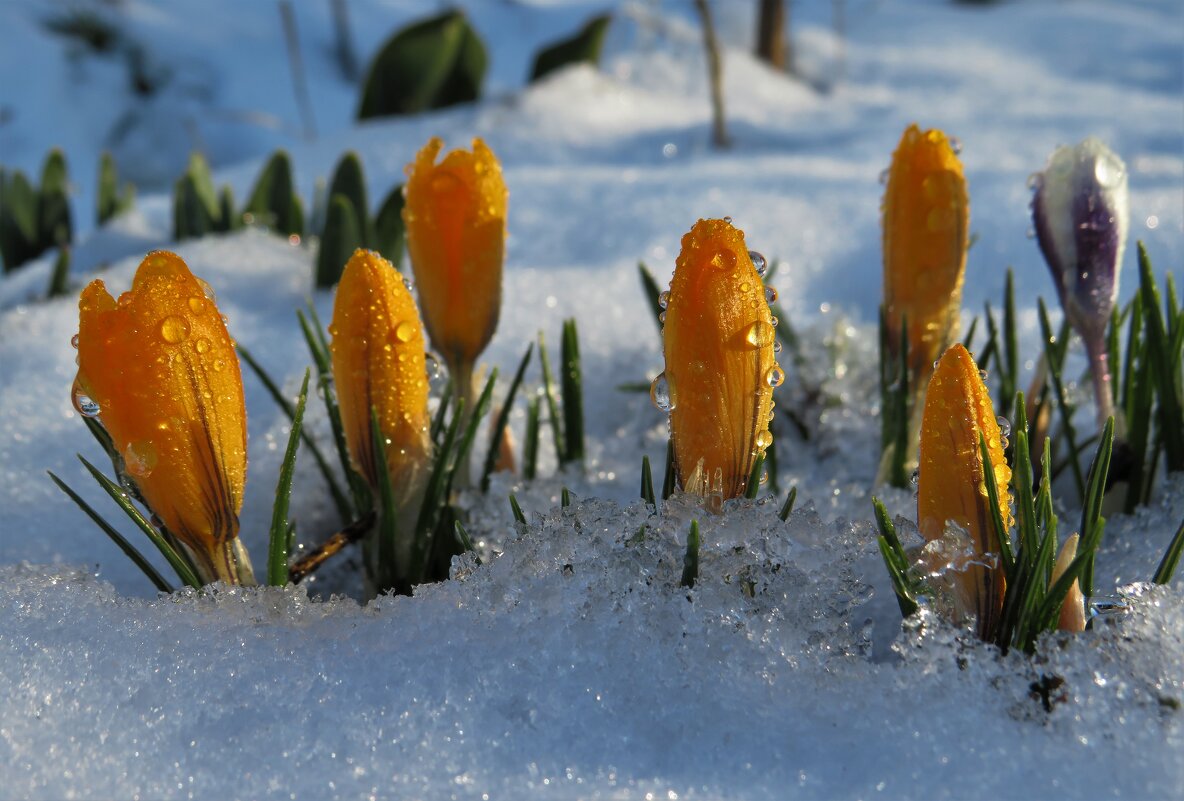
(160, 370)
(1081, 213)
(720, 373)
(951, 486)
(456, 232)
(378, 363)
(926, 218)
(1072, 616)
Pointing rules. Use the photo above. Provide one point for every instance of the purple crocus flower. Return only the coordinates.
(1081, 211)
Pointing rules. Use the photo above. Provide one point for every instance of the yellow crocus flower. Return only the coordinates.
(159, 369)
(455, 213)
(720, 371)
(378, 363)
(950, 485)
(926, 219)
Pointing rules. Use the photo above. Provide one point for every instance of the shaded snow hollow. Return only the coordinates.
(571, 664)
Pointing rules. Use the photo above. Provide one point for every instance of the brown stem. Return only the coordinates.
(719, 136)
(330, 547)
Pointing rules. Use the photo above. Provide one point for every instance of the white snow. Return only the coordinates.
(572, 665)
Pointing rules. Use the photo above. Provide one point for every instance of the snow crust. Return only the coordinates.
(570, 664)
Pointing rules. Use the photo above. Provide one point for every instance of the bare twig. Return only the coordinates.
(329, 548)
(296, 65)
(719, 131)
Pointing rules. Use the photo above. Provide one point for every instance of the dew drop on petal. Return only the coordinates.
(1004, 426)
(775, 376)
(955, 145)
(404, 331)
(85, 406)
(1035, 180)
(777, 346)
(770, 295)
(207, 290)
(140, 458)
(724, 259)
(219, 366)
(983, 375)
(759, 262)
(174, 329)
(664, 298)
(764, 439)
(74, 342)
(759, 334)
(662, 317)
(197, 305)
(1030, 233)
(915, 478)
(202, 345)
(884, 173)
(660, 393)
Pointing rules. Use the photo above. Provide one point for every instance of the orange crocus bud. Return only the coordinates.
(1072, 617)
(951, 487)
(455, 215)
(926, 218)
(159, 369)
(720, 372)
(378, 363)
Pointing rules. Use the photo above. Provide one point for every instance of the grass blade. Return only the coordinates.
(339, 499)
(690, 562)
(787, 507)
(519, 517)
(503, 419)
(572, 390)
(125, 546)
(754, 478)
(647, 482)
(177, 561)
(1171, 558)
(384, 562)
(277, 550)
(1055, 363)
(1092, 522)
(530, 440)
(1164, 374)
(668, 480)
(649, 285)
(549, 397)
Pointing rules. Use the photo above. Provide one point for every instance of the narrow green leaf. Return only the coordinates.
(339, 499)
(503, 420)
(1092, 522)
(1165, 375)
(787, 507)
(530, 444)
(1009, 374)
(145, 566)
(178, 562)
(968, 340)
(649, 285)
(277, 551)
(754, 478)
(430, 64)
(519, 517)
(59, 279)
(1055, 361)
(690, 562)
(552, 404)
(668, 477)
(572, 390)
(463, 538)
(53, 203)
(387, 569)
(647, 482)
(270, 201)
(581, 48)
(389, 232)
(1001, 533)
(564, 498)
(1171, 558)
(349, 182)
(342, 236)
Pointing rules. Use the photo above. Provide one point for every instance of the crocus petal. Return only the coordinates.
(378, 362)
(1081, 213)
(950, 486)
(456, 231)
(720, 372)
(1072, 617)
(161, 367)
(926, 218)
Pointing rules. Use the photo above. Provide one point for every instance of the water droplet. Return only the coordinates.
(433, 366)
(1030, 233)
(777, 346)
(775, 376)
(174, 329)
(74, 342)
(983, 375)
(85, 406)
(202, 345)
(763, 439)
(1004, 443)
(728, 220)
(207, 290)
(884, 173)
(1004, 426)
(936, 362)
(773, 321)
(1035, 180)
(759, 334)
(664, 298)
(955, 145)
(724, 260)
(915, 478)
(219, 366)
(140, 458)
(759, 262)
(744, 287)
(770, 295)
(198, 305)
(404, 331)
(1108, 171)
(407, 283)
(662, 317)
(660, 393)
